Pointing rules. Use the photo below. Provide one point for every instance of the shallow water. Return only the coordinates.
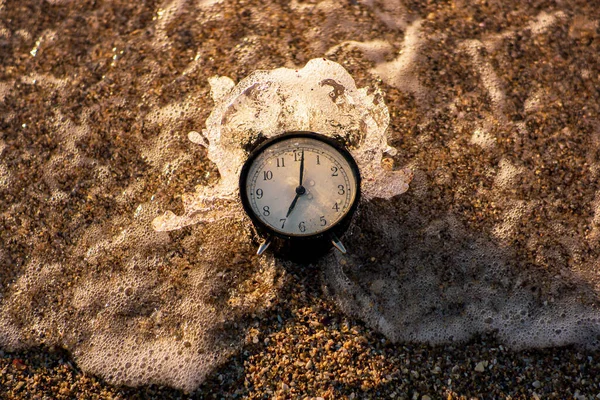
(108, 123)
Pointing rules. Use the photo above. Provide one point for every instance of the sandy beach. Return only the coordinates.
(480, 281)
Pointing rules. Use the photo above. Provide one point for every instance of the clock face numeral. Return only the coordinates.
(301, 198)
(302, 226)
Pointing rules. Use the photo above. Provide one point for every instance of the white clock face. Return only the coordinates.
(300, 186)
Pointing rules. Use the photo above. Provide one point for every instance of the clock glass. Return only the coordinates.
(300, 184)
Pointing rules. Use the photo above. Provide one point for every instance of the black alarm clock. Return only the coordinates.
(300, 189)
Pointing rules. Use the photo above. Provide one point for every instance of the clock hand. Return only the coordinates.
(300, 190)
(292, 205)
(301, 169)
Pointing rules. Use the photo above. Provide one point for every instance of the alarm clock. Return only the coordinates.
(300, 189)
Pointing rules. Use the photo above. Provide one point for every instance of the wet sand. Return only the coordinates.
(494, 106)
(305, 348)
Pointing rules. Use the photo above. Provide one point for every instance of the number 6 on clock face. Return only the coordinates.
(299, 184)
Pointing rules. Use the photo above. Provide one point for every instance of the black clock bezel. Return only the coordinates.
(338, 228)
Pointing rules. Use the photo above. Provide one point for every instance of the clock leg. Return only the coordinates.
(337, 243)
(264, 246)
(302, 251)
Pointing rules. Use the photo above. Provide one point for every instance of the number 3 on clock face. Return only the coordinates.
(300, 185)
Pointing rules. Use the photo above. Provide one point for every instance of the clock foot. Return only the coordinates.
(337, 243)
(263, 246)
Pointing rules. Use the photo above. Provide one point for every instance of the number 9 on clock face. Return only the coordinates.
(299, 184)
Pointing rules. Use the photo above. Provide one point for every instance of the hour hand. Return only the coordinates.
(292, 205)
(300, 190)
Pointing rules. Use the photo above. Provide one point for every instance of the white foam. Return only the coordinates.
(437, 282)
(165, 14)
(393, 13)
(374, 50)
(507, 173)
(5, 175)
(321, 97)
(505, 230)
(443, 285)
(483, 139)
(489, 78)
(400, 72)
(594, 234)
(544, 20)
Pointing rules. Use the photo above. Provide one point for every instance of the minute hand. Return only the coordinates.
(301, 169)
(300, 190)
